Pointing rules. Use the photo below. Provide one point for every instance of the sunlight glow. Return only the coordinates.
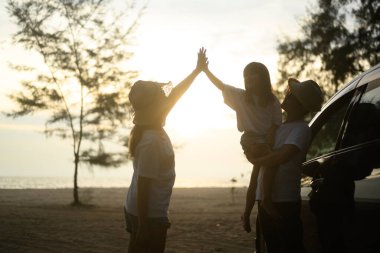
(201, 108)
(164, 47)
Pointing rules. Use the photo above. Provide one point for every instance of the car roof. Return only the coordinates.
(370, 75)
(361, 79)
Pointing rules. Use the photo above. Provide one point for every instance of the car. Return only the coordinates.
(341, 174)
(343, 168)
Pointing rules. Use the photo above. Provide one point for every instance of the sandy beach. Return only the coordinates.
(42, 220)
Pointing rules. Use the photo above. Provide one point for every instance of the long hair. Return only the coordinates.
(141, 96)
(262, 83)
(134, 138)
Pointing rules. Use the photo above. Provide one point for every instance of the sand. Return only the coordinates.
(42, 220)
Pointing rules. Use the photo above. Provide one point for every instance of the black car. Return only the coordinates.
(341, 193)
(342, 213)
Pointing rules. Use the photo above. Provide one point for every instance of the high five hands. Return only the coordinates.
(202, 63)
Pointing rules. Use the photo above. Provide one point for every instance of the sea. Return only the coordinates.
(87, 182)
(59, 182)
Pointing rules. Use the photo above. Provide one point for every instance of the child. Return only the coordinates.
(258, 114)
(153, 178)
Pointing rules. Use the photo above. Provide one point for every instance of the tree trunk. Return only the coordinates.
(75, 190)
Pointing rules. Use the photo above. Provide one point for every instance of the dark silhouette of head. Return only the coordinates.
(148, 101)
(302, 98)
(257, 83)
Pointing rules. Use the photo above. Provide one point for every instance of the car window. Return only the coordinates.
(326, 128)
(364, 122)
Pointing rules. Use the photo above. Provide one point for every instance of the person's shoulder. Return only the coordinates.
(231, 88)
(300, 124)
(304, 124)
(301, 128)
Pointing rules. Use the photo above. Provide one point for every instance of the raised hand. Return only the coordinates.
(202, 63)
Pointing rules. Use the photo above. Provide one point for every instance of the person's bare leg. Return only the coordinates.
(267, 203)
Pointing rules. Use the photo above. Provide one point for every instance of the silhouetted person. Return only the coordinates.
(292, 139)
(258, 114)
(149, 194)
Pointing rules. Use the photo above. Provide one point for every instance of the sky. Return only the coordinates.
(165, 49)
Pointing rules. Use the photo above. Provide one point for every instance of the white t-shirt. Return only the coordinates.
(154, 159)
(287, 181)
(253, 118)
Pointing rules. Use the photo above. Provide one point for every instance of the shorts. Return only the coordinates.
(131, 222)
(253, 145)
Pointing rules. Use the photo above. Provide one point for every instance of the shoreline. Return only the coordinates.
(105, 182)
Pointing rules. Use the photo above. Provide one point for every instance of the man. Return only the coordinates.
(283, 232)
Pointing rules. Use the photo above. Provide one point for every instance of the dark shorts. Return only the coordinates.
(285, 233)
(131, 222)
(253, 145)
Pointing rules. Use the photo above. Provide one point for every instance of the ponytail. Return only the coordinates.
(134, 138)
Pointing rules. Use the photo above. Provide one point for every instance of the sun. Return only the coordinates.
(202, 106)
(200, 109)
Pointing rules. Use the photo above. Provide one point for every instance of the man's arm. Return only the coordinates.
(276, 157)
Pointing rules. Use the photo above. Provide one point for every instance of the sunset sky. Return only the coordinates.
(165, 46)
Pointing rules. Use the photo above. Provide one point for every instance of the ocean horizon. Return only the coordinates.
(19, 182)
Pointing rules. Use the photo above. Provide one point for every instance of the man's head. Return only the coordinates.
(302, 97)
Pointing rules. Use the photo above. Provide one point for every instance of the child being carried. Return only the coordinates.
(258, 114)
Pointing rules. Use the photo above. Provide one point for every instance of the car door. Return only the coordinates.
(361, 142)
(346, 146)
(327, 128)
